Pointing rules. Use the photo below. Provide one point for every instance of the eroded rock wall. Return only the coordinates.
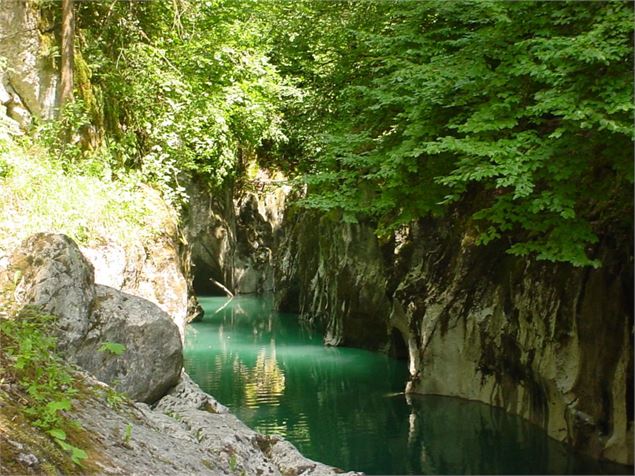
(28, 80)
(232, 232)
(334, 274)
(549, 342)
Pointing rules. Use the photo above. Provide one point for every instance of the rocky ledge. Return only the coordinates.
(186, 433)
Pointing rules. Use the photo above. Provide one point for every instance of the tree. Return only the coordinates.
(522, 109)
(67, 53)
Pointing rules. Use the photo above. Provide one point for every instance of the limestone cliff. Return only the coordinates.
(232, 232)
(334, 274)
(549, 342)
(28, 79)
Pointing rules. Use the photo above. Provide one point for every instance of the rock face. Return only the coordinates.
(333, 273)
(154, 266)
(232, 236)
(29, 87)
(48, 270)
(51, 272)
(149, 269)
(551, 343)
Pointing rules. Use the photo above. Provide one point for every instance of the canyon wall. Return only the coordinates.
(28, 73)
(549, 342)
(231, 233)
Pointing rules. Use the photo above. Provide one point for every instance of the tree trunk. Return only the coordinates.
(68, 52)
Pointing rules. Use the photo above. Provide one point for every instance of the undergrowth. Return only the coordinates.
(34, 377)
(39, 193)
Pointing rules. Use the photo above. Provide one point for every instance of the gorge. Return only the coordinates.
(395, 235)
(518, 335)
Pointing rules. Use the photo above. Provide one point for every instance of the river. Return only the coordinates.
(345, 407)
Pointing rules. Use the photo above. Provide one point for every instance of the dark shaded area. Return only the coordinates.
(398, 348)
(201, 282)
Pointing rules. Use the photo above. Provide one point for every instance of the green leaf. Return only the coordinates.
(58, 405)
(78, 455)
(114, 348)
(58, 434)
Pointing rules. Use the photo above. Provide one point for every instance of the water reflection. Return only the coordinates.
(264, 383)
(345, 407)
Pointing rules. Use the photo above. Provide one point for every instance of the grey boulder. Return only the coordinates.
(49, 271)
(152, 356)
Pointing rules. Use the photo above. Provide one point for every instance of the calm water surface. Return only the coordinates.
(345, 407)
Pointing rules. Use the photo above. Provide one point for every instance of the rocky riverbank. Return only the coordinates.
(184, 432)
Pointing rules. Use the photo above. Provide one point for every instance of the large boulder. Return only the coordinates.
(49, 271)
(153, 266)
(150, 270)
(153, 356)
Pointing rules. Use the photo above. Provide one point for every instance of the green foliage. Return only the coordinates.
(114, 348)
(127, 434)
(44, 379)
(186, 85)
(114, 399)
(233, 462)
(526, 106)
(61, 136)
(5, 168)
(520, 112)
(37, 195)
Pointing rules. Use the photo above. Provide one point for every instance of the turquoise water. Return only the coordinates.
(345, 407)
